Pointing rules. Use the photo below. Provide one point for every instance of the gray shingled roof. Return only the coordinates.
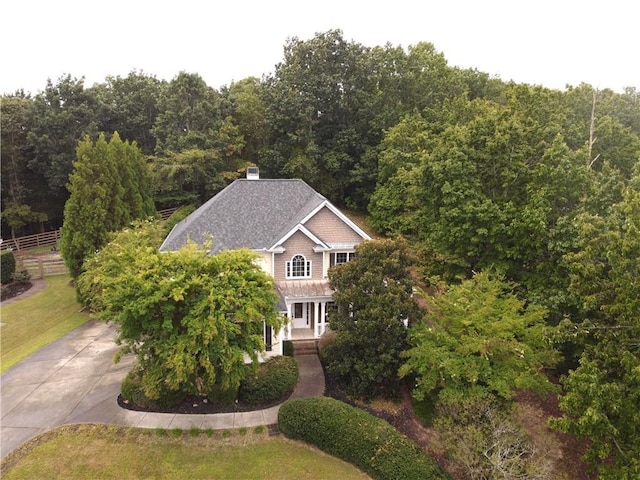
(248, 213)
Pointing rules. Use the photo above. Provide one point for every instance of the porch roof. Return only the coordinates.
(304, 288)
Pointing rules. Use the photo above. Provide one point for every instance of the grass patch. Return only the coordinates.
(96, 452)
(35, 321)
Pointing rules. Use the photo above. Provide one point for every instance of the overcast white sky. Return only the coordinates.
(548, 42)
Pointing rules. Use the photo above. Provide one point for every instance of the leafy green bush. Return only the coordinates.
(21, 276)
(273, 380)
(178, 216)
(222, 396)
(357, 437)
(287, 348)
(7, 266)
(132, 389)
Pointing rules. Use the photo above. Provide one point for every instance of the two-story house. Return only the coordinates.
(296, 232)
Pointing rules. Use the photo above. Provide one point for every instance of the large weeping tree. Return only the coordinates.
(190, 318)
(109, 188)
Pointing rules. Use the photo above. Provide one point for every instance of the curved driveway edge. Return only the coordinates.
(74, 380)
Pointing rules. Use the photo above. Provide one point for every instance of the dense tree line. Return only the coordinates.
(325, 114)
(537, 187)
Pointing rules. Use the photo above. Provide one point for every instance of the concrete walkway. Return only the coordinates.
(74, 380)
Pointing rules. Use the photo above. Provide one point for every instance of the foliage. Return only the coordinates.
(134, 103)
(373, 294)
(109, 188)
(188, 115)
(19, 215)
(273, 380)
(178, 216)
(603, 392)
(7, 266)
(190, 318)
(483, 441)
(21, 276)
(132, 390)
(13, 138)
(189, 176)
(357, 437)
(287, 348)
(478, 337)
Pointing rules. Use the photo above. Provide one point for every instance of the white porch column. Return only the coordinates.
(323, 312)
(316, 313)
(287, 327)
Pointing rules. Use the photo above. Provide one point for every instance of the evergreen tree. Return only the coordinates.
(109, 188)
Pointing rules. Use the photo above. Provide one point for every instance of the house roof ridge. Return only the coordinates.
(250, 213)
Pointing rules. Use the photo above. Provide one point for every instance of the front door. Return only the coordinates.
(300, 313)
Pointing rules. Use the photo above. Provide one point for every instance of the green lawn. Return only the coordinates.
(102, 452)
(35, 321)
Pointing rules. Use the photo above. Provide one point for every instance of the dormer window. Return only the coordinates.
(299, 267)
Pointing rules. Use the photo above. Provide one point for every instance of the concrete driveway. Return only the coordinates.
(74, 380)
(71, 380)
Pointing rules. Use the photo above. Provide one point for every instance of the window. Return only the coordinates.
(268, 338)
(299, 267)
(344, 257)
(297, 310)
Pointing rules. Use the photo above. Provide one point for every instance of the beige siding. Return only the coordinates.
(264, 260)
(298, 244)
(328, 227)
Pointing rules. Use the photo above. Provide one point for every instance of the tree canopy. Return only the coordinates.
(603, 392)
(373, 296)
(479, 338)
(189, 317)
(109, 188)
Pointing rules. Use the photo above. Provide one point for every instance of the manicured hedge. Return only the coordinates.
(273, 380)
(357, 437)
(7, 266)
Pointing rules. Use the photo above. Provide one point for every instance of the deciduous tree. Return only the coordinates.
(479, 338)
(189, 317)
(603, 392)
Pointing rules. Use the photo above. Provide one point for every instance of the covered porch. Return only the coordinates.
(307, 304)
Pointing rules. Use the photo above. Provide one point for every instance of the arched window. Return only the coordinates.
(299, 267)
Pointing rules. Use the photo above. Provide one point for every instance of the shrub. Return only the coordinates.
(222, 396)
(483, 440)
(132, 389)
(287, 348)
(273, 380)
(327, 339)
(357, 437)
(21, 276)
(7, 266)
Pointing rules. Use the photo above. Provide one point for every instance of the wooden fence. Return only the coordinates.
(42, 266)
(47, 239)
(50, 239)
